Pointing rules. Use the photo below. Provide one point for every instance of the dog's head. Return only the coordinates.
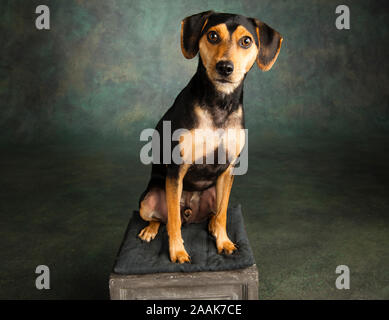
(229, 45)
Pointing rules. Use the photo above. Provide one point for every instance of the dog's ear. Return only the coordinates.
(269, 41)
(191, 28)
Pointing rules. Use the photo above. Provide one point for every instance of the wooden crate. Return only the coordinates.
(239, 284)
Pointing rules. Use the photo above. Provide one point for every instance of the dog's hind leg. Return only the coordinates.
(152, 209)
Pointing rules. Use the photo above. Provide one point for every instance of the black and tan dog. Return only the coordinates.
(228, 45)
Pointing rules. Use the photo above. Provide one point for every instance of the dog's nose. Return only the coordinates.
(224, 68)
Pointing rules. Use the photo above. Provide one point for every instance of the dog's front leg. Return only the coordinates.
(174, 184)
(218, 223)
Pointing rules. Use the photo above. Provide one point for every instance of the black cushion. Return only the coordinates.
(138, 257)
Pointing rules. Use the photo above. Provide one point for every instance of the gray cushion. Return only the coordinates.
(138, 257)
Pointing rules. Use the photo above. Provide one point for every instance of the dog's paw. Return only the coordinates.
(225, 245)
(148, 233)
(180, 257)
(178, 253)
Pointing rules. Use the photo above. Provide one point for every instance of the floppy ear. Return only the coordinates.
(191, 28)
(269, 45)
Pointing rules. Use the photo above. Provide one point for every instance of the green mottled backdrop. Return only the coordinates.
(106, 69)
(74, 100)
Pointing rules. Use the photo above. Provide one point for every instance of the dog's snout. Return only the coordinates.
(224, 68)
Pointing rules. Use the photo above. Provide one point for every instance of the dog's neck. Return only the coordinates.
(207, 94)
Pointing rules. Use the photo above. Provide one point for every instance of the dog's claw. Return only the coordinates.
(183, 257)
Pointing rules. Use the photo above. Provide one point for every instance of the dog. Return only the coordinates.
(228, 45)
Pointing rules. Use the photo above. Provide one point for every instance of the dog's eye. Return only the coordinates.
(213, 37)
(245, 42)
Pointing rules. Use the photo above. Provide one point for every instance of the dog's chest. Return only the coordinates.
(212, 132)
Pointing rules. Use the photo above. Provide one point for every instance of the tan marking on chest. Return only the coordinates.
(206, 137)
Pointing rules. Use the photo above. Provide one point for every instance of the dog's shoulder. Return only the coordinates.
(181, 114)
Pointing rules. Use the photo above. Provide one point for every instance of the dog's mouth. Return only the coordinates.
(224, 81)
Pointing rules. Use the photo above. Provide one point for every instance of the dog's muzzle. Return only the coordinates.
(224, 68)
